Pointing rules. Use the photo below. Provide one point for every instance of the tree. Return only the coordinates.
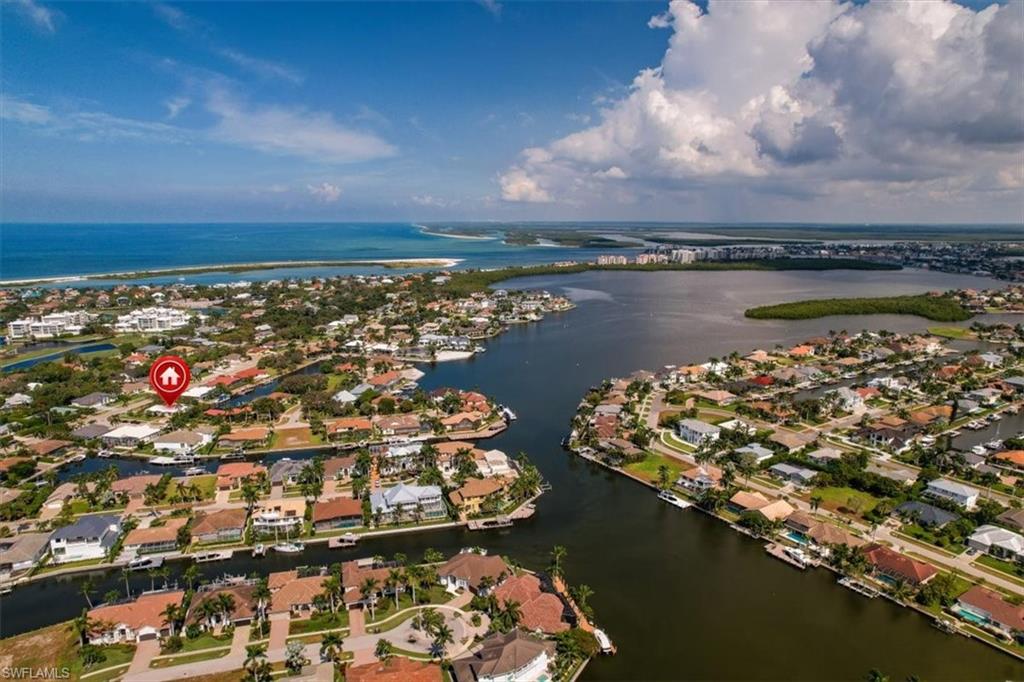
(261, 597)
(330, 647)
(509, 616)
(582, 594)
(295, 656)
(171, 614)
(432, 556)
(82, 626)
(414, 575)
(368, 591)
(443, 636)
(191, 575)
(558, 553)
(88, 585)
(393, 582)
(384, 650)
(664, 477)
(333, 591)
(257, 668)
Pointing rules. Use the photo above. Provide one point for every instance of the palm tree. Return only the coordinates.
(394, 580)
(257, 667)
(443, 636)
(816, 501)
(384, 650)
(664, 477)
(261, 597)
(190, 575)
(88, 585)
(414, 575)
(82, 626)
(127, 587)
(171, 614)
(431, 619)
(330, 647)
(558, 553)
(368, 591)
(333, 591)
(582, 594)
(509, 616)
(225, 606)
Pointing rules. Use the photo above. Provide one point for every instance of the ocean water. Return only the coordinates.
(56, 250)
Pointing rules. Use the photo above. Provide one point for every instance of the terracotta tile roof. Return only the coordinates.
(477, 487)
(212, 522)
(999, 610)
(280, 578)
(898, 565)
(134, 485)
(338, 508)
(541, 610)
(143, 612)
(242, 594)
(165, 533)
(296, 593)
(397, 669)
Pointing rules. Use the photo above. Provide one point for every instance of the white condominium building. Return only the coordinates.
(152, 319)
(48, 326)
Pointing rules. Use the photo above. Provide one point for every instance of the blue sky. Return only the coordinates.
(431, 110)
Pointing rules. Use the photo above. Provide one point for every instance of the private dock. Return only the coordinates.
(793, 557)
(346, 540)
(488, 524)
(859, 587)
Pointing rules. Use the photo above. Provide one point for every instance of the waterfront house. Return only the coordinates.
(253, 436)
(466, 571)
(241, 596)
(543, 612)
(819, 532)
(231, 475)
(824, 455)
(129, 435)
(284, 516)
(398, 425)
(339, 468)
(463, 421)
(776, 510)
(700, 478)
(470, 498)
(297, 595)
(990, 608)
(696, 432)
(341, 512)
(944, 489)
(355, 427)
(286, 471)
(925, 515)
(89, 537)
(743, 501)
(793, 441)
(492, 463)
(394, 669)
(155, 538)
(511, 657)
(895, 566)
(404, 501)
(90, 431)
(21, 552)
(134, 621)
(354, 575)
(999, 542)
(226, 525)
(793, 474)
(1012, 517)
(181, 442)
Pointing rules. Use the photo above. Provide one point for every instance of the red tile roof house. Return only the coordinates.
(226, 525)
(297, 595)
(241, 596)
(896, 566)
(396, 669)
(135, 621)
(468, 570)
(342, 512)
(541, 611)
(990, 607)
(231, 475)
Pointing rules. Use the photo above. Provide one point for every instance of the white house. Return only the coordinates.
(404, 501)
(181, 442)
(963, 495)
(696, 432)
(998, 542)
(129, 435)
(90, 537)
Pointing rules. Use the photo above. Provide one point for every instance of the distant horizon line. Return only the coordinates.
(513, 222)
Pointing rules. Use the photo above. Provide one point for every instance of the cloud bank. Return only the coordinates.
(891, 101)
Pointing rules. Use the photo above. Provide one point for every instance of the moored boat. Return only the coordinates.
(206, 557)
(289, 547)
(346, 540)
(666, 496)
(145, 563)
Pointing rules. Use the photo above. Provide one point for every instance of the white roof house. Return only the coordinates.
(963, 495)
(130, 434)
(998, 542)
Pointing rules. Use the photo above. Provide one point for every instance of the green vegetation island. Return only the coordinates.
(936, 308)
(469, 281)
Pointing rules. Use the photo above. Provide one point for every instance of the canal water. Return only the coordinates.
(682, 595)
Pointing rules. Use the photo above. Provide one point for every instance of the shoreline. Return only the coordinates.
(234, 267)
(427, 231)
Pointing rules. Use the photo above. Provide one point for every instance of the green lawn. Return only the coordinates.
(928, 536)
(386, 606)
(647, 468)
(952, 332)
(1007, 567)
(181, 659)
(846, 500)
(204, 641)
(320, 621)
(207, 486)
(671, 440)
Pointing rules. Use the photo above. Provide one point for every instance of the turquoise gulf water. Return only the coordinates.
(53, 250)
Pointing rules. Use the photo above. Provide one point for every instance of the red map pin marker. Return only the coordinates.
(169, 376)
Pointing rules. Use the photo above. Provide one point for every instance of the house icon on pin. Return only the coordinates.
(170, 377)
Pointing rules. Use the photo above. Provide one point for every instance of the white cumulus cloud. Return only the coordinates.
(325, 192)
(804, 99)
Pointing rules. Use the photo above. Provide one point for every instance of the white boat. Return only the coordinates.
(206, 557)
(195, 471)
(507, 413)
(77, 458)
(994, 444)
(979, 450)
(346, 540)
(259, 550)
(604, 641)
(145, 563)
(289, 547)
(104, 454)
(797, 555)
(177, 460)
(666, 496)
